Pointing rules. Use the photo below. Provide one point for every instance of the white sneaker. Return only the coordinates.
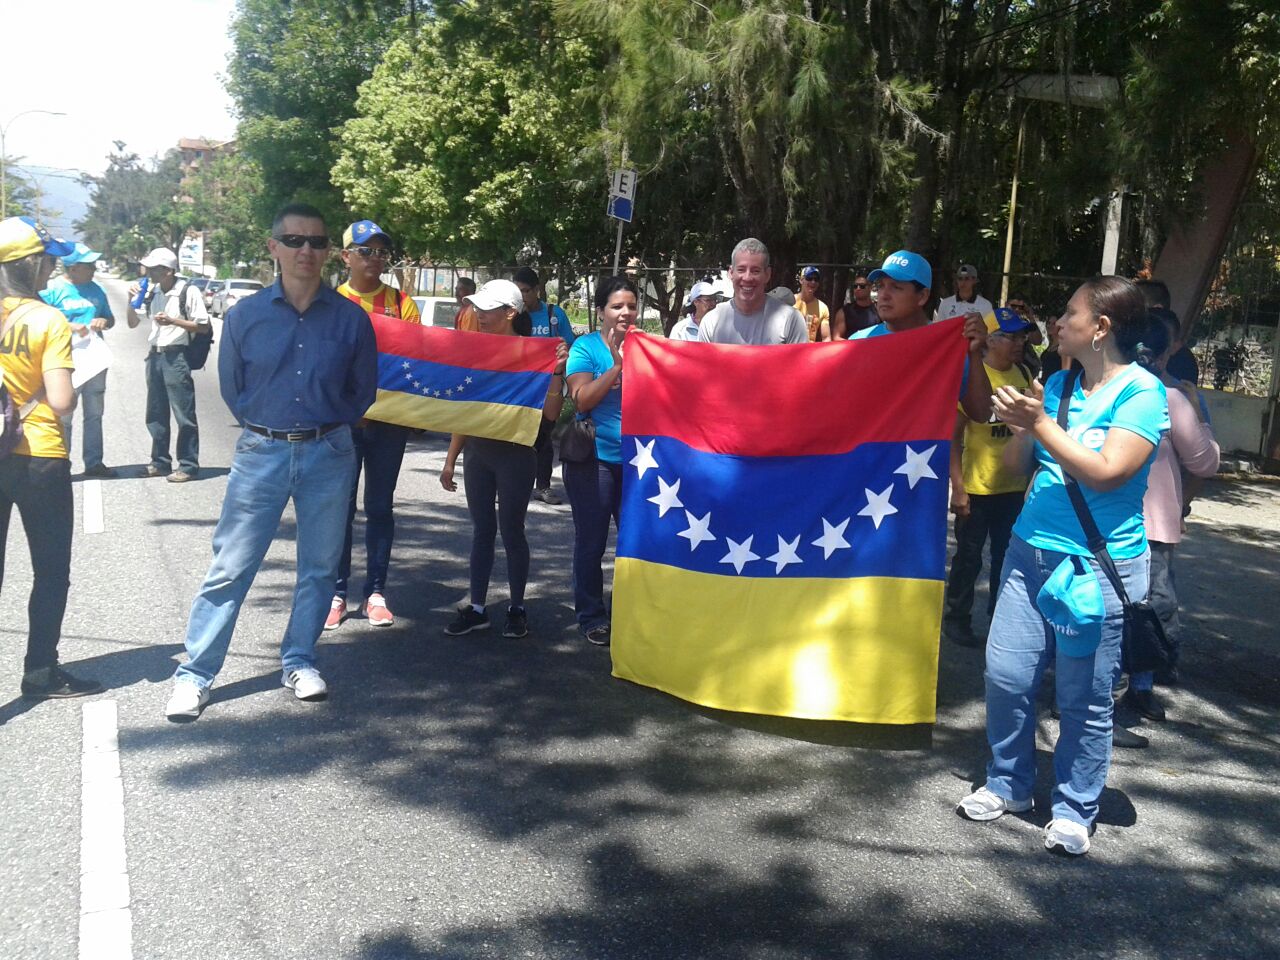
(306, 683)
(1067, 836)
(982, 804)
(186, 701)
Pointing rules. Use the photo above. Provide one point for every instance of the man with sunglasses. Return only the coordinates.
(367, 252)
(858, 314)
(298, 366)
(816, 313)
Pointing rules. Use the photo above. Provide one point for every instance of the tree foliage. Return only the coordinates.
(135, 206)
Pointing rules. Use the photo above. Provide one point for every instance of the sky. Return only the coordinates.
(143, 71)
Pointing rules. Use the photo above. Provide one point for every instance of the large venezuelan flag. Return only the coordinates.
(479, 384)
(783, 540)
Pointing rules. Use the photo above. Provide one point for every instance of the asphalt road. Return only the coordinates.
(479, 797)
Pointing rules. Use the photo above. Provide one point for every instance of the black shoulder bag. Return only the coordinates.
(1145, 645)
(578, 445)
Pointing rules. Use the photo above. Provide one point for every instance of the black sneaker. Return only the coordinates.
(466, 621)
(1146, 703)
(54, 683)
(548, 496)
(962, 634)
(1127, 739)
(599, 635)
(517, 624)
(101, 470)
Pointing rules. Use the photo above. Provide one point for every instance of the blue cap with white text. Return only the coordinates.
(904, 266)
(1071, 601)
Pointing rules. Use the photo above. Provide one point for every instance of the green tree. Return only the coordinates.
(134, 206)
(227, 196)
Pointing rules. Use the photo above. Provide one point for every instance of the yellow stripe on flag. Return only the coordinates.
(497, 421)
(862, 650)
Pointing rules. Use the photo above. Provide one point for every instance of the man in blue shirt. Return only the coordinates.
(86, 308)
(298, 365)
(546, 320)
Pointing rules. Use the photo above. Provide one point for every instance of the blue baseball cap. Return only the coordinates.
(81, 254)
(904, 266)
(22, 236)
(1071, 602)
(811, 273)
(362, 231)
(1009, 322)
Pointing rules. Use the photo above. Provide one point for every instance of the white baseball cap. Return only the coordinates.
(161, 257)
(497, 293)
(703, 289)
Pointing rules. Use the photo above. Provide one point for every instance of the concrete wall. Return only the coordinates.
(1237, 420)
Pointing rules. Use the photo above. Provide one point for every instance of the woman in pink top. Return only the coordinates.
(1189, 445)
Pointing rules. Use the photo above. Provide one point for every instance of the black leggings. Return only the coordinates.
(41, 489)
(494, 470)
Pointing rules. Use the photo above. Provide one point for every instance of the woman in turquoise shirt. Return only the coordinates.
(594, 375)
(1117, 413)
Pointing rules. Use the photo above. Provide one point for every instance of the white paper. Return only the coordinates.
(91, 356)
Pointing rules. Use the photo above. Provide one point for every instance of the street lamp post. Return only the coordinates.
(4, 157)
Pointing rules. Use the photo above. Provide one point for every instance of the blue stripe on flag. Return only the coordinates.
(821, 500)
(443, 381)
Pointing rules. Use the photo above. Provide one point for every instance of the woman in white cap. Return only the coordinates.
(499, 472)
(702, 298)
(35, 472)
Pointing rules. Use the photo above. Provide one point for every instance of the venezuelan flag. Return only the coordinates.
(479, 384)
(782, 548)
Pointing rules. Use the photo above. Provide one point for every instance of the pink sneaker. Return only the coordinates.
(337, 613)
(375, 608)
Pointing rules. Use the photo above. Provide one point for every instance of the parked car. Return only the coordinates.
(438, 311)
(230, 292)
(211, 291)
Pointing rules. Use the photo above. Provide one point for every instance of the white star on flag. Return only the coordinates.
(878, 506)
(668, 496)
(460, 389)
(786, 553)
(437, 393)
(405, 364)
(417, 385)
(643, 460)
(832, 538)
(408, 376)
(699, 530)
(468, 379)
(739, 553)
(917, 467)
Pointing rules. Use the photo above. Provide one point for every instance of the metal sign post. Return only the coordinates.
(622, 195)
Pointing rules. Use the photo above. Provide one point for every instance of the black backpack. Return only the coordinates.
(198, 344)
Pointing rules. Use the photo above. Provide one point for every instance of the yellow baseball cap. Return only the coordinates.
(22, 236)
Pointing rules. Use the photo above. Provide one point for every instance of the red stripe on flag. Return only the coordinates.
(795, 399)
(476, 351)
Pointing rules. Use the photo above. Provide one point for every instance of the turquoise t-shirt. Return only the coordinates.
(1133, 400)
(590, 354)
(549, 321)
(76, 307)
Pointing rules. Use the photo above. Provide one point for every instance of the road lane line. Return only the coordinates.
(92, 506)
(106, 922)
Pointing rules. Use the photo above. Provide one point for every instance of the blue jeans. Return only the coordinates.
(380, 450)
(1019, 647)
(595, 492)
(170, 387)
(265, 473)
(92, 400)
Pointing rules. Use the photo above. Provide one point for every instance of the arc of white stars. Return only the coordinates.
(917, 467)
(643, 460)
(739, 553)
(786, 554)
(668, 496)
(699, 531)
(878, 506)
(832, 538)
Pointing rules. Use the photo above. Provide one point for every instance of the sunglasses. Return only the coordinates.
(372, 253)
(861, 286)
(295, 241)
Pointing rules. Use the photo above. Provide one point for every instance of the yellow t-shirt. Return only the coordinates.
(38, 340)
(385, 300)
(982, 460)
(814, 313)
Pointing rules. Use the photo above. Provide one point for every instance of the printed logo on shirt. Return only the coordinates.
(18, 342)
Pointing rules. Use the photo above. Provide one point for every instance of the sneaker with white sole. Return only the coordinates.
(1066, 836)
(337, 613)
(376, 611)
(983, 805)
(186, 701)
(306, 683)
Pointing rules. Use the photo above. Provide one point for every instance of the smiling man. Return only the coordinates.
(752, 317)
(298, 366)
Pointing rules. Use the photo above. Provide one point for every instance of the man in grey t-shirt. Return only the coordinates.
(752, 317)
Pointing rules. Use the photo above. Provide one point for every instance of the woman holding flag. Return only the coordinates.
(1056, 603)
(595, 485)
(499, 472)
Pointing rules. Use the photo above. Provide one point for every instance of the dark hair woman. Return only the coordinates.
(499, 475)
(35, 355)
(1055, 604)
(594, 372)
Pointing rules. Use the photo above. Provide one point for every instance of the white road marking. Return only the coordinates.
(106, 922)
(92, 506)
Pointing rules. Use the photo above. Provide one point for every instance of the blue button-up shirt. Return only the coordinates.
(286, 371)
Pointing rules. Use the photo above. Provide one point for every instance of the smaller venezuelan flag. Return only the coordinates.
(478, 384)
(782, 546)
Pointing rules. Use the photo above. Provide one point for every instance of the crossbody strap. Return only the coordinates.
(1094, 539)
